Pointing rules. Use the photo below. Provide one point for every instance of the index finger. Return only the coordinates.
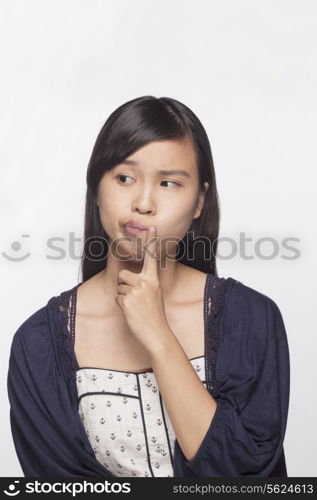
(150, 251)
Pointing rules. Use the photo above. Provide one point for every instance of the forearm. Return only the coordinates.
(189, 405)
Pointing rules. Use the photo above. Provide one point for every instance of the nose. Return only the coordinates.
(143, 203)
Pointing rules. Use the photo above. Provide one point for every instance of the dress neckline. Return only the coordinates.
(71, 322)
(128, 371)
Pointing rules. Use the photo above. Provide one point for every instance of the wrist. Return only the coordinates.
(165, 345)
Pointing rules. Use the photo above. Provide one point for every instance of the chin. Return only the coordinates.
(128, 251)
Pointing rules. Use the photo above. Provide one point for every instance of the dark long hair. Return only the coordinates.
(128, 128)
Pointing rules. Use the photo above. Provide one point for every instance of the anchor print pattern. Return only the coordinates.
(126, 421)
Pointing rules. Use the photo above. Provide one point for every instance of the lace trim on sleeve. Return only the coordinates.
(216, 290)
(66, 305)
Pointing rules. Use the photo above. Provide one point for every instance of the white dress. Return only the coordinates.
(126, 421)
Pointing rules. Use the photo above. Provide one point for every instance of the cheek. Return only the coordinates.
(109, 198)
(176, 224)
(108, 212)
(181, 213)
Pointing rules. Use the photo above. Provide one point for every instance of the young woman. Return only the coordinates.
(152, 365)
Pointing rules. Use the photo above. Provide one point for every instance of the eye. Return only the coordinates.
(122, 175)
(173, 182)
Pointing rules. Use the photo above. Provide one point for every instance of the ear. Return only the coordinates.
(201, 200)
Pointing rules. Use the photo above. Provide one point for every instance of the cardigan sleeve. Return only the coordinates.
(245, 436)
(48, 438)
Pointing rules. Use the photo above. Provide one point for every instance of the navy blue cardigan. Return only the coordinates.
(247, 372)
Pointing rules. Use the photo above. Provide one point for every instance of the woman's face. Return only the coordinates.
(156, 185)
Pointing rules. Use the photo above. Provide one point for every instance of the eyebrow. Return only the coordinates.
(161, 172)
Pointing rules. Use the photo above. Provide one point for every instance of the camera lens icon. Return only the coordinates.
(12, 490)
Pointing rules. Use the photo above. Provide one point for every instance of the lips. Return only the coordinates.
(135, 225)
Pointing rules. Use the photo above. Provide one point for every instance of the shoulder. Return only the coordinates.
(31, 341)
(242, 297)
(35, 330)
(250, 316)
(244, 300)
(33, 324)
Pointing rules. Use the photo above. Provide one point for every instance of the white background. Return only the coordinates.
(247, 68)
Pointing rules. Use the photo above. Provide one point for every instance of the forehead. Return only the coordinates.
(165, 154)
